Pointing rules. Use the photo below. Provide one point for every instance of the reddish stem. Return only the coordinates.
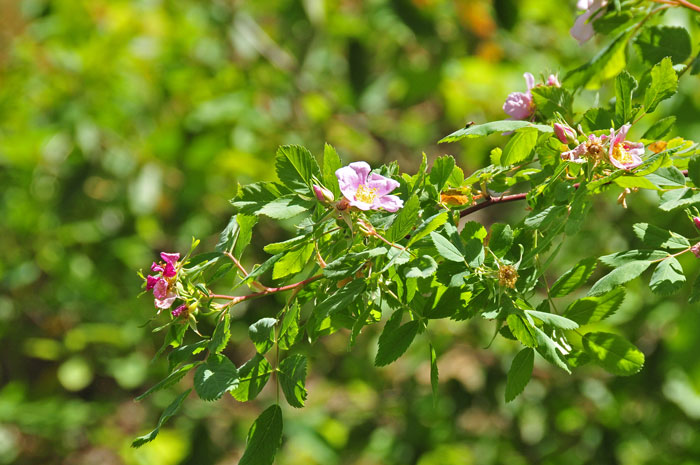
(268, 290)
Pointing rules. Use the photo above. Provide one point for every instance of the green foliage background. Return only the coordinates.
(125, 127)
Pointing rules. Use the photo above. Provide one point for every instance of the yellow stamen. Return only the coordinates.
(365, 194)
(621, 155)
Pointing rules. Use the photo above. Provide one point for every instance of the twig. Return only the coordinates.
(235, 299)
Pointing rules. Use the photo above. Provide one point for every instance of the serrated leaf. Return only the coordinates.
(520, 373)
(519, 147)
(668, 176)
(660, 128)
(596, 119)
(653, 236)
(604, 65)
(279, 247)
(550, 100)
(428, 226)
(394, 341)
(183, 353)
(574, 278)
(293, 261)
(264, 438)
(614, 353)
(521, 329)
(553, 319)
(341, 299)
(550, 215)
(170, 410)
(441, 171)
(625, 84)
(550, 350)
(620, 275)
(653, 43)
(237, 234)
(293, 379)
(667, 278)
(694, 170)
(500, 239)
(221, 335)
(480, 130)
(445, 248)
(677, 198)
(253, 197)
(262, 333)
(295, 167)
(215, 377)
(331, 163)
(592, 309)
(405, 220)
(421, 267)
(621, 258)
(287, 206)
(168, 381)
(252, 377)
(664, 84)
(289, 330)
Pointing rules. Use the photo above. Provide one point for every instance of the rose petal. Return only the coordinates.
(156, 268)
(151, 282)
(169, 271)
(390, 203)
(361, 205)
(582, 30)
(167, 302)
(529, 80)
(160, 288)
(382, 184)
(350, 177)
(518, 105)
(171, 258)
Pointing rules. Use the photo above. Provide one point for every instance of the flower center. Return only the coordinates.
(621, 154)
(365, 194)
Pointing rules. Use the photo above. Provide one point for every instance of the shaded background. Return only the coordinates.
(125, 127)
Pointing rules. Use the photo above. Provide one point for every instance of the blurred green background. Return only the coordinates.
(125, 127)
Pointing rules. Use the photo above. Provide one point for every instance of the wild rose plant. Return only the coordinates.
(378, 247)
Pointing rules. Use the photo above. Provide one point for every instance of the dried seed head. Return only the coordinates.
(507, 276)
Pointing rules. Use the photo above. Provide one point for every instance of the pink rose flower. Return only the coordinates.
(696, 221)
(519, 105)
(583, 27)
(696, 250)
(593, 147)
(553, 80)
(162, 284)
(367, 191)
(622, 153)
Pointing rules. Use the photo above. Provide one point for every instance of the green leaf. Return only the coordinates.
(341, 299)
(222, 333)
(677, 198)
(428, 226)
(421, 267)
(553, 319)
(520, 373)
(592, 309)
(621, 275)
(237, 234)
(521, 329)
(596, 119)
(550, 100)
(614, 353)
(293, 379)
(253, 197)
(295, 166)
(184, 353)
(606, 64)
(279, 247)
(170, 410)
(625, 84)
(664, 84)
(500, 239)
(434, 374)
(621, 258)
(574, 278)
(262, 333)
(657, 42)
(215, 377)
(170, 380)
(293, 261)
(668, 176)
(405, 220)
(667, 278)
(445, 248)
(519, 147)
(264, 438)
(287, 206)
(550, 350)
(252, 377)
(694, 170)
(653, 236)
(289, 330)
(441, 171)
(480, 130)
(548, 216)
(660, 128)
(331, 163)
(394, 341)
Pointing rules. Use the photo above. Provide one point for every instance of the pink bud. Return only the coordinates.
(178, 311)
(564, 133)
(696, 220)
(552, 80)
(696, 250)
(323, 195)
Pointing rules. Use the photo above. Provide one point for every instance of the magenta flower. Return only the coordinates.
(696, 250)
(622, 153)
(565, 133)
(162, 284)
(553, 80)
(367, 191)
(696, 221)
(519, 105)
(583, 27)
(179, 310)
(323, 195)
